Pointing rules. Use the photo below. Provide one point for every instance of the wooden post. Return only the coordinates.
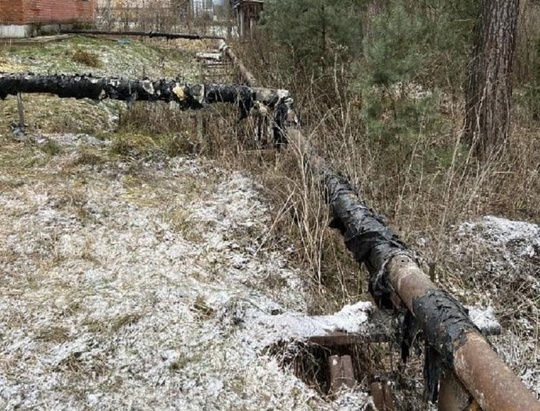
(341, 372)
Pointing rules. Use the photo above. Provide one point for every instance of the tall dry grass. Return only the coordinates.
(423, 185)
(426, 186)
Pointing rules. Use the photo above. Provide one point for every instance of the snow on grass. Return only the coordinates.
(143, 285)
(484, 319)
(132, 59)
(499, 259)
(129, 59)
(267, 329)
(514, 239)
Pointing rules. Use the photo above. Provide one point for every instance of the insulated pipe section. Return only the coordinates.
(443, 320)
(188, 96)
(448, 329)
(284, 115)
(168, 36)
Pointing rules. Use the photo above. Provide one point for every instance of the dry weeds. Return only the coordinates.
(143, 283)
(427, 187)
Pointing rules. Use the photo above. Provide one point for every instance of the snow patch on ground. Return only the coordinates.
(515, 239)
(500, 261)
(484, 319)
(267, 329)
(148, 289)
(73, 139)
(502, 229)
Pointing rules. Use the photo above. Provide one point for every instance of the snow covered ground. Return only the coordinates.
(498, 262)
(148, 284)
(130, 284)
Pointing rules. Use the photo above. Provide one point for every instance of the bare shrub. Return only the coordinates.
(87, 58)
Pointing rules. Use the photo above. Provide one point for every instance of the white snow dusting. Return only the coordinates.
(144, 286)
(513, 240)
(484, 319)
(500, 259)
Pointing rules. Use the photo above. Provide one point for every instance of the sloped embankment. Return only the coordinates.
(142, 285)
(101, 57)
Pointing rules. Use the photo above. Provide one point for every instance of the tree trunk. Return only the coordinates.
(489, 90)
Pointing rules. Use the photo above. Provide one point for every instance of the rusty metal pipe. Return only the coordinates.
(452, 394)
(341, 373)
(382, 396)
(443, 320)
(247, 76)
(489, 380)
(494, 386)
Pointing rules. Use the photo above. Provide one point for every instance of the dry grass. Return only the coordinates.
(87, 58)
(423, 191)
(425, 185)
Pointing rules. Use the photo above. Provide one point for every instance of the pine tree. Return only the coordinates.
(489, 91)
(316, 31)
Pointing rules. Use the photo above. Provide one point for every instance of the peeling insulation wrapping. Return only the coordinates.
(366, 235)
(445, 325)
(443, 319)
(446, 322)
(284, 119)
(193, 96)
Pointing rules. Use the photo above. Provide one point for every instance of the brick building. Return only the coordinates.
(24, 18)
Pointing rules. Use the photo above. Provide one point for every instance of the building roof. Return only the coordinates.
(241, 2)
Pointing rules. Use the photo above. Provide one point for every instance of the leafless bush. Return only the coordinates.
(87, 58)
(160, 15)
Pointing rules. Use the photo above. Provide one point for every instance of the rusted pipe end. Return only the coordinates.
(452, 334)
